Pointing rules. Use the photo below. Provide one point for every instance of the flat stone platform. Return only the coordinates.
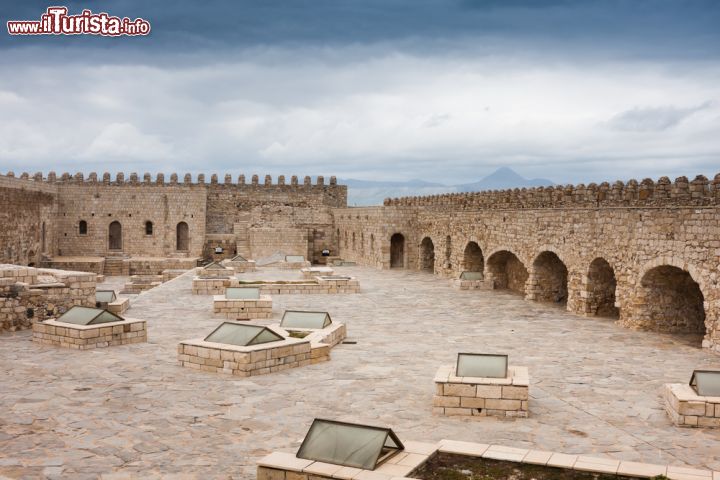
(131, 411)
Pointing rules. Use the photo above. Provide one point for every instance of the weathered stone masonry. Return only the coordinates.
(648, 253)
(105, 217)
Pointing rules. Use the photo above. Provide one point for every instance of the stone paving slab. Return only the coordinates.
(130, 410)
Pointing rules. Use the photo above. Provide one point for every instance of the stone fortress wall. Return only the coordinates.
(647, 254)
(73, 216)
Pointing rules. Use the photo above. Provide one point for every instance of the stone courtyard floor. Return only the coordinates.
(130, 411)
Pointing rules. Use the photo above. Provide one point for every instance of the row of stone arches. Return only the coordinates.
(115, 236)
(667, 297)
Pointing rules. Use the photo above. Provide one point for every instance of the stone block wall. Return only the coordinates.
(688, 409)
(244, 361)
(503, 397)
(29, 295)
(210, 286)
(246, 309)
(88, 337)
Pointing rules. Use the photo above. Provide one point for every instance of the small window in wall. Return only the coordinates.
(183, 236)
(148, 228)
(82, 228)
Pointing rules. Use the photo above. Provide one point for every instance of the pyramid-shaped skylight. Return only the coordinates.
(242, 293)
(88, 316)
(349, 444)
(472, 276)
(105, 296)
(239, 258)
(481, 365)
(214, 266)
(303, 320)
(706, 383)
(242, 335)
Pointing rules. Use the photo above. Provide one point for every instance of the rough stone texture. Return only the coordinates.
(72, 216)
(248, 361)
(29, 295)
(688, 409)
(235, 309)
(217, 286)
(131, 410)
(591, 248)
(81, 337)
(480, 397)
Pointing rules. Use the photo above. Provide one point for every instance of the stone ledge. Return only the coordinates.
(688, 409)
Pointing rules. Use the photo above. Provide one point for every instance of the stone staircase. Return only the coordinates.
(115, 266)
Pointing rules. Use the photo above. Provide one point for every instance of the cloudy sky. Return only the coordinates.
(440, 90)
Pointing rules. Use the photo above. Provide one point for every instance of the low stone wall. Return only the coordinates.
(78, 264)
(688, 409)
(330, 336)
(29, 294)
(312, 272)
(85, 337)
(243, 309)
(503, 397)
(241, 267)
(119, 306)
(286, 466)
(217, 286)
(460, 284)
(171, 273)
(141, 283)
(156, 265)
(247, 361)
(290, 265)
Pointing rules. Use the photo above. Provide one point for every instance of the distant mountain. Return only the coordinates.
(501, 179)
(368, 192)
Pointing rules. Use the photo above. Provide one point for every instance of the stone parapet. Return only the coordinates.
(503, 397)
(85, 337)
(242, 309)
(688, 409)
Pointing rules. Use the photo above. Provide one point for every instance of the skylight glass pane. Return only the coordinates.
(266, 336)
(356, 446)
(297, 319)
(105, 296)
(294, 258)
(471, 276)
(335, 277)
(239, 258)
(480, 365)
(234, 334)
(707, 383)
(79, 315)
(235, 293)
(213, 266)
(105, 317)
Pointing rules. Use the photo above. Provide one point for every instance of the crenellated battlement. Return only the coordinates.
(160, 179)
(647, 193)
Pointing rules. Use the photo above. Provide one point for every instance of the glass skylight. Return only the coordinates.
(88, 316)
(242, 335)
(294, 258)
(241, 293)
(305, 320)
(706, 382)
(105, 296)
(239, 258)
(214, 266)
(471, 276)
(349, 444)
(481, 365)
(335, 277)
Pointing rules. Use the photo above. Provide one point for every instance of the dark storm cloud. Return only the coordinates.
(654, 28)
(439, 90)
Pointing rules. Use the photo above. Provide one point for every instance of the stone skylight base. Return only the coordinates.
(251, 360)
(688, 409)
(474, 396)
(312, 272)
(240, 267)
(242, 309)
(85, 337)
(460, 284)
(119, 306)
